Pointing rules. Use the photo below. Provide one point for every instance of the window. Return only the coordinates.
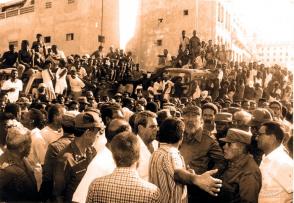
(48, 5)
(70, 1)
(69, 36)
(160, 20)
(47, 39)
(32, 2)
(186, 12)
(159, 42)
(101, 38)
(15, 43)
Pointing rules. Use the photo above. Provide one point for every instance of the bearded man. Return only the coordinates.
(200, 151)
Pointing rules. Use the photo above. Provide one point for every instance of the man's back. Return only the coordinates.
(123, 185)
(163, 163)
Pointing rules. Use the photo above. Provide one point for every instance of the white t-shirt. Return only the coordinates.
(76, 84)
(17, 85)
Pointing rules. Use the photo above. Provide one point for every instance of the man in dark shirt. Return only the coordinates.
(242, 178)
(73, 161)
(200, 151)
(18, 183)
(9, 58)
(53, 150)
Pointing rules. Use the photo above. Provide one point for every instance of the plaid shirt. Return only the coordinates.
(123, 186)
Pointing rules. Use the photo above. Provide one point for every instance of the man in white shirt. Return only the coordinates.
(13, 86)
(276, 166)
(76, 85)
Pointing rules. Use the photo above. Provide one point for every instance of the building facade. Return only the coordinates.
(278, 53)
(76, 26)
(160, 24)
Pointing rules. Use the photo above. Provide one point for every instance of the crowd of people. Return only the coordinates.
(92, 128)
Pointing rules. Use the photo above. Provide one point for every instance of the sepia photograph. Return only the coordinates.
(146, 101)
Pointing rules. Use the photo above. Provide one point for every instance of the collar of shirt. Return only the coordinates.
(77, 154)
(168, 147)
(197, 136)
(127, 171)
(240, 162)
(275, 154)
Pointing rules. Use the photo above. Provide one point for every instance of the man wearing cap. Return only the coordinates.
(18, 183)
(209, 110)
(200, 151)
(67, 123)
(73, 161)
(223, 122)
(276, 166)
(103, 160)
(242, 177)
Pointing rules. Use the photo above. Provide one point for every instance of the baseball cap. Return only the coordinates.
(88, 120)
(237, 135)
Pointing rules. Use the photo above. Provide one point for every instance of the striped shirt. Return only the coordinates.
(163, 163)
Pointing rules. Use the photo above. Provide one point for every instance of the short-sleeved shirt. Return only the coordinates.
(163, 164)
(70, 169)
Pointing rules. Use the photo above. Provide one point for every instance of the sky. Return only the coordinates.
(271, 20)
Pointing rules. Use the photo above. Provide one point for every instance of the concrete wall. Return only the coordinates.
(149, 29)
(203, 16)
(83, 18)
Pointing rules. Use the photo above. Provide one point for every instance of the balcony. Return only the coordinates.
(16, 12)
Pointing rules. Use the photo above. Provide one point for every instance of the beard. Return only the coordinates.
(190, 129)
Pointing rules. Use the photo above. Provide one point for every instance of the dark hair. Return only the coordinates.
(142, 119)
(125, 149)
(108, 109)
(162, 115)
(12, 109)
(171, 131)
(152, 106)
(132, 120)
(274, 128)
(78, 132)
(37, 118)
(115, 127)
(54, 110)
